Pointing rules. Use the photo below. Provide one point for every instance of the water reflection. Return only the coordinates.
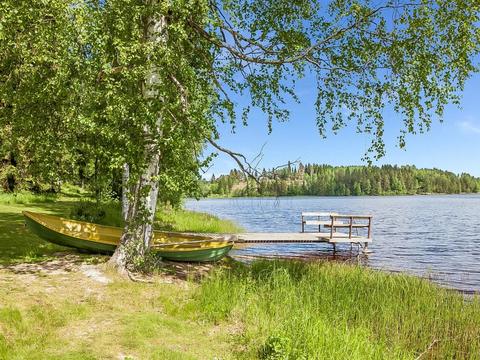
(301, 252)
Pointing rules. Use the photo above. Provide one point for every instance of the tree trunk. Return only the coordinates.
(125, 190)
(141, 199)
(96, 181)
(141, 207)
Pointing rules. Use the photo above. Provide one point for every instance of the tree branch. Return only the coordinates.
(240, 159)
(238, 51)
(248, 167)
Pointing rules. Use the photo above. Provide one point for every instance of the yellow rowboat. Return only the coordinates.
(104, 239)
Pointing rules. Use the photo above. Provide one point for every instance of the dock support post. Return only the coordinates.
(365, 248)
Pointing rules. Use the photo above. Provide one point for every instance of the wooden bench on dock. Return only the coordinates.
(316, 218)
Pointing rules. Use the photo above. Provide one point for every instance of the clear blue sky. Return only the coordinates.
(453, 145)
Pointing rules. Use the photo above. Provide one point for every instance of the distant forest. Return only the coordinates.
(313, 179)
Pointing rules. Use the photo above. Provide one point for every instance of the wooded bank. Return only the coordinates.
(314, 179)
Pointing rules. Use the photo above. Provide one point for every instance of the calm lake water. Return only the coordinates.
(437, 236)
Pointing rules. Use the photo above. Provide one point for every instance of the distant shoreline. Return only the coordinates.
(329, 196)
(328, 180)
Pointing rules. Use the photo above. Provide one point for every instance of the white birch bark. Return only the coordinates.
(125, 190)
(139, 206)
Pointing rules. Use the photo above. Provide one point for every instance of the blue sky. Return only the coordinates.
(453, 145)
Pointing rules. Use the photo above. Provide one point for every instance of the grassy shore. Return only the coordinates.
(57, 304)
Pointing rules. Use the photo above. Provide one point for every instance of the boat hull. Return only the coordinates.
(103, 239)
(67, 240)
(197, 255)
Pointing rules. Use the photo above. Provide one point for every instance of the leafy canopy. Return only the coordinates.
(72, 73)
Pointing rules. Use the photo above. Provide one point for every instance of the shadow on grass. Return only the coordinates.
(61, 262)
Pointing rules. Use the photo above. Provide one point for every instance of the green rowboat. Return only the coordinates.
(104, 239)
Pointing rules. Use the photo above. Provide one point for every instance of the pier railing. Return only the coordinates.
(339, 221)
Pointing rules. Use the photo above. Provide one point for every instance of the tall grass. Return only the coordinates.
(185, 220)
(292, 310)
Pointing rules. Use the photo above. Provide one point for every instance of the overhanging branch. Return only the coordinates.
(250, 168)
(241, 160)
(267, 55)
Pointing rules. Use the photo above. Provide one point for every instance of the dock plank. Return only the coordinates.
(299, 238)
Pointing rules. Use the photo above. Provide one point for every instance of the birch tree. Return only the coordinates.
(151, 80)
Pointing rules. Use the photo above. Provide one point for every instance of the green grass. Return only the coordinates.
(184, 220)
(51, 318)
(17, 244)
(26, 198)
(293, 310)
(26, 332)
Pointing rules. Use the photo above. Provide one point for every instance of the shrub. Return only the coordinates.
(104, 213)
(8, 176)
(276, 347)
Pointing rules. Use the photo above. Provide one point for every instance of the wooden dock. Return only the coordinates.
(349, 223)
(300, 237)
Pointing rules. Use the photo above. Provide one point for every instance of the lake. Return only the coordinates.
(435, 236)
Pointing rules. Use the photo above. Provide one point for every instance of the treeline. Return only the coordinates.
(313, 179)
(85, 167)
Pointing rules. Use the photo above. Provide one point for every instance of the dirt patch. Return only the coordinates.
(93, 272)
(63, 263)
(188, 271)
(92, 267)
(65, 276)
